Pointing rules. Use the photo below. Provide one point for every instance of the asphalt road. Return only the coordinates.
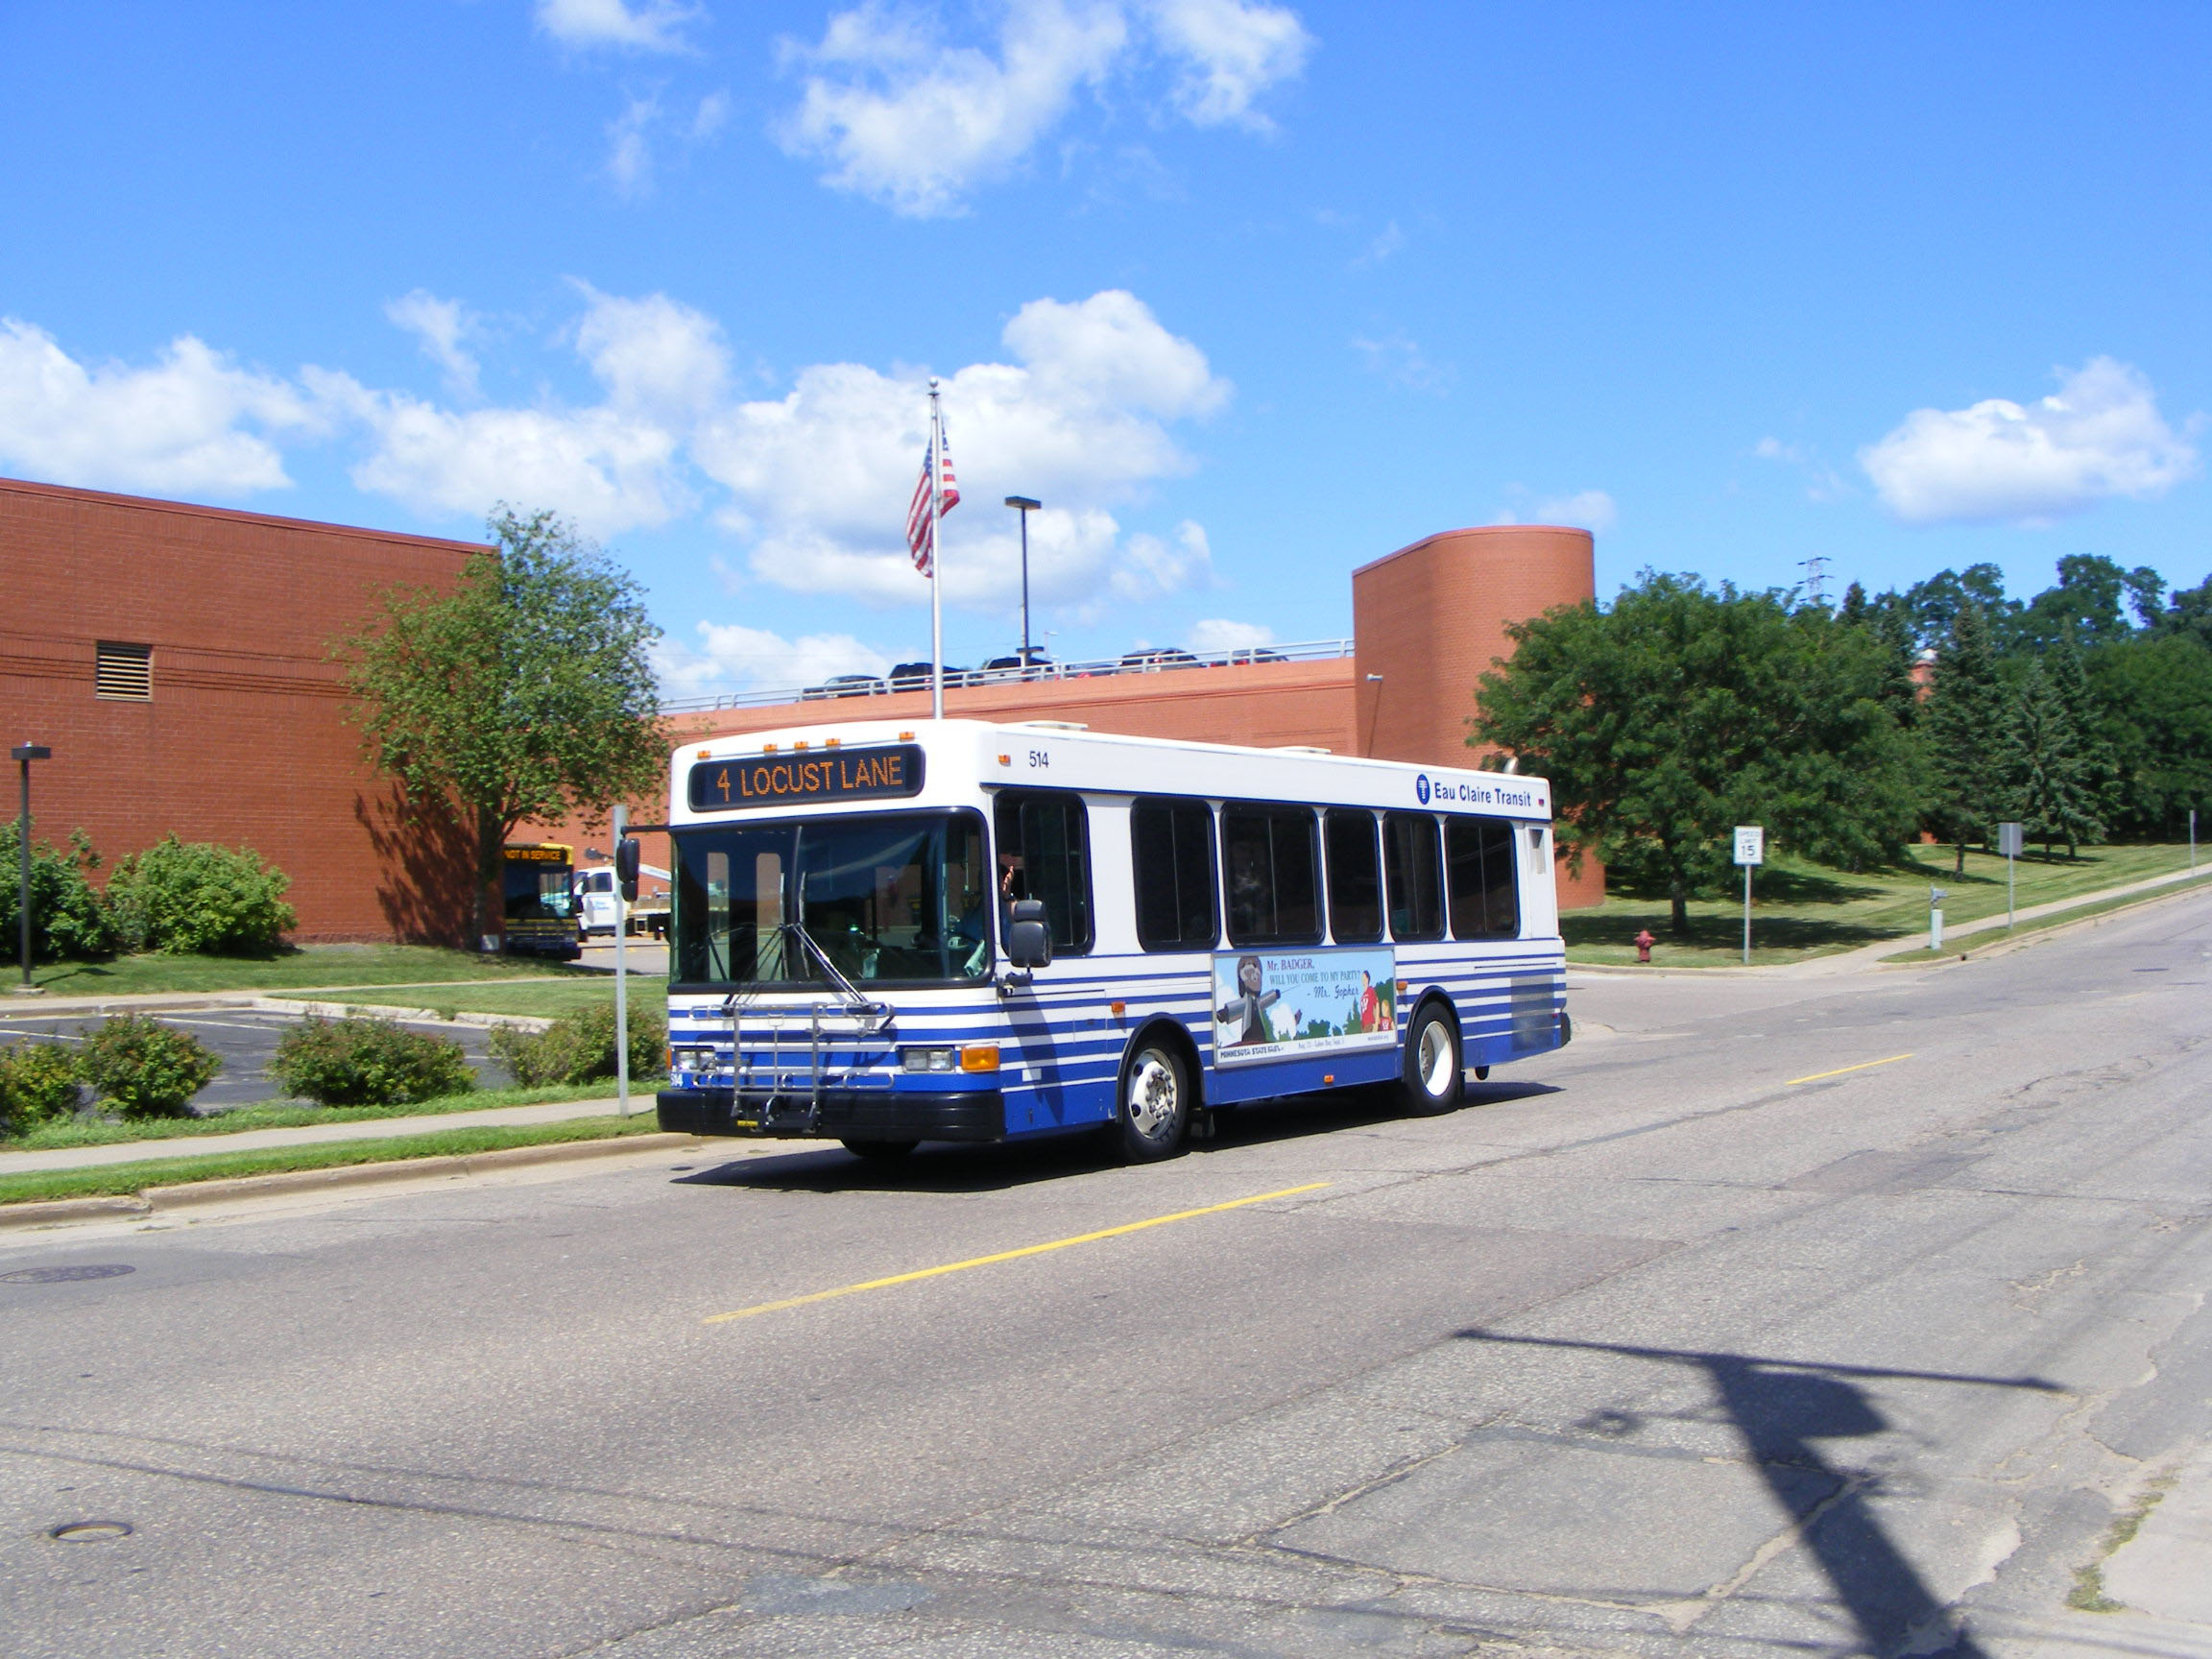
(1689, 1340)
(246, 1039)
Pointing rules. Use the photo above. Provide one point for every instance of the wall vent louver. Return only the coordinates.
(123, 673)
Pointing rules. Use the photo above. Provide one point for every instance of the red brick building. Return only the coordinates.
(177, 661)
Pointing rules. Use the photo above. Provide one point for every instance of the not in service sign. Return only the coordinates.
(797, 780)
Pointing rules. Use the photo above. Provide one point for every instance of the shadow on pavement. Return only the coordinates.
(1781, 1407)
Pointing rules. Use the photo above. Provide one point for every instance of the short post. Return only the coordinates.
(25, 753)
(621, 976)
(1936, 898)
(2010, 838)
(1750, 850)
(2191, 840)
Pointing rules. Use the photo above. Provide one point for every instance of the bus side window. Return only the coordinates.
(1485, 899)
(1044, 852)
(1409, 867)
(1267, 853)
(1355, 877)
(1171, 843)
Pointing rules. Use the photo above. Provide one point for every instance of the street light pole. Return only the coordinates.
(1025, 506)
(25, 753)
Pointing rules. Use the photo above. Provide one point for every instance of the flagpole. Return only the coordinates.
(936, 558)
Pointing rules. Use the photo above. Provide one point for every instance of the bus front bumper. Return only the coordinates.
(846, 1115)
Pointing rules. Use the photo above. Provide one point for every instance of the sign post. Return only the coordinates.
(1750, 850)
(1936, 898)
(621, 973)
(2009, 842)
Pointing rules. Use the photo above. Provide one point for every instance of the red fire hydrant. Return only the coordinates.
(1644, 944)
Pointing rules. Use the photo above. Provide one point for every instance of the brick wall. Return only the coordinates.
(245, 739)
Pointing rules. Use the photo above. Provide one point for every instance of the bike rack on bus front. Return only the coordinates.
(869, 1018)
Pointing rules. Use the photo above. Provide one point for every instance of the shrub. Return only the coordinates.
(67, 919)
(578, 1047)
(365, 1061)
(37, 1081)
(181, 897)
(143, 1069)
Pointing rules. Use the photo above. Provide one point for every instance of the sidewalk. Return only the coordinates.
(314, 1134)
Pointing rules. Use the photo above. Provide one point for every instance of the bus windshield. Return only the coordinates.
(900, 896)
(537, 892)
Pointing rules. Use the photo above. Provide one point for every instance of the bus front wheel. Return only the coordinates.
(1431, 1081)
(1155, 1102)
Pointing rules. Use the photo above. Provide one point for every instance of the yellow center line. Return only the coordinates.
(1840, 1070)
(1007, 1255)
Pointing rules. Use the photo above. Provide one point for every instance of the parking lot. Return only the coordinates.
(246, 1039)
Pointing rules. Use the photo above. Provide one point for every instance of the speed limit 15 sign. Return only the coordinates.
(1750, 844)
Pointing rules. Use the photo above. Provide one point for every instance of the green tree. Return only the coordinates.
(67, 919)
(1677, 712)
(2042, 779)
(2154, 697)
(1934, 604)
(523, 695)
(1962, 724)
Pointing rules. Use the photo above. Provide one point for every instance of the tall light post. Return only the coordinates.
(25, 753)
(1022, 505)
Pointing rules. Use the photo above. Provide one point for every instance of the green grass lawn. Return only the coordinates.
(307, 965)
(79, 1132)
(1800, 910)
(545, 998)
(123, 1179)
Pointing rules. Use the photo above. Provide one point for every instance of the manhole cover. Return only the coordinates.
(89, 1531)
(65, 1275)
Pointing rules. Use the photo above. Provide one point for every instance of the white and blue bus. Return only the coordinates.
(978, 932)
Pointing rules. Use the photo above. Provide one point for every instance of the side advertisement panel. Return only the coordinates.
(1281, 1004)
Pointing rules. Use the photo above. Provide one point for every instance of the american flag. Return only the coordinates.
(918, 511)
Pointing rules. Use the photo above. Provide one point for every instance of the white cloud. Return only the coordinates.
(647, 26)
(913, 123)
(712, 116)
(439, 327)
(732, 656)
(820, 478)
(2098, 436)
(1401, 361)
(630, 149)
(1219, 636)
(612, 466)
(1821, 480)
(193, 423)
(1229, 51)
(652, 355)
(1586, 509)
(912, 120)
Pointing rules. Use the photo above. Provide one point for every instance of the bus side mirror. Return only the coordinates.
(1029, 940)
(626, 861)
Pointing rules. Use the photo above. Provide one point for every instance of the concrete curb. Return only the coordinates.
(385, 1011)
(187, 1195)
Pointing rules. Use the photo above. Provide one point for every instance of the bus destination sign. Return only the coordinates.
(794, 780)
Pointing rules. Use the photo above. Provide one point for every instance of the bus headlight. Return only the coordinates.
(929, 1059)
(691, 1059)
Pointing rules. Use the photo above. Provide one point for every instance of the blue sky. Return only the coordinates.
(1247, 293)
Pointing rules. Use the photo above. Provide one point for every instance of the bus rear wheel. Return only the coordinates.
(880, 1151)
(1431, 1081)
(1155, 1103)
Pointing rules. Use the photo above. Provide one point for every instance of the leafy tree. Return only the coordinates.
(2042, 779)
(2086, 604)
(2098, 765)
(2155, 701)
(2190, 612)
(67, 919)
(1675, 713)
(523, 695)
(1962, 723)
(1934, 604)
